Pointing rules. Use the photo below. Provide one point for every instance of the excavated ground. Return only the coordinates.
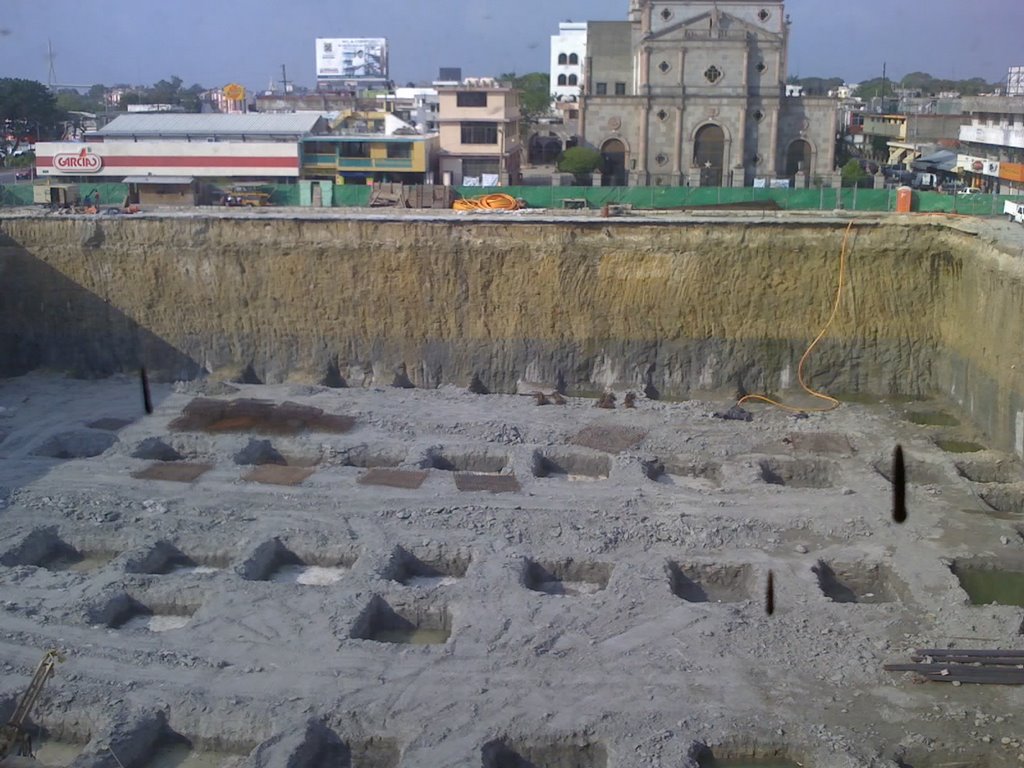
(605, 607)
(398, 572)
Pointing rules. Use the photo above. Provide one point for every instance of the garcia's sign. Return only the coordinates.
(74, 163)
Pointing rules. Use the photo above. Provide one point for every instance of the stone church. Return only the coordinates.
(693, 92)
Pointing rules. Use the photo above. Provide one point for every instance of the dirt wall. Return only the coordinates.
(675, 307)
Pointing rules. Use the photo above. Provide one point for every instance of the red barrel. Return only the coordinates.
(904, 200)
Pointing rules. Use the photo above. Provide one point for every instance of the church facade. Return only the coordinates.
(693, 92)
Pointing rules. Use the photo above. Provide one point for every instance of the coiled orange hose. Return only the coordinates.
(493, 202)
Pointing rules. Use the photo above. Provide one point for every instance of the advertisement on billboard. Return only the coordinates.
(352, 58)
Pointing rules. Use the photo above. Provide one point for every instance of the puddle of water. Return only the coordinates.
(183, 756)
(990, 585)
(57, 754)
(159, 623)
(412, 636)
(90, 562)
(568, 588)
(959, 446)
(431, 582)
(310, 575)
(933, 419)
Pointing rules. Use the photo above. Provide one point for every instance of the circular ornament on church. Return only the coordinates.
(614, 123)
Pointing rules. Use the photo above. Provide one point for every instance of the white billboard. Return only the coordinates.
(352, 58)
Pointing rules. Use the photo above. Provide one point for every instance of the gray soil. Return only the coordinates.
(606, 609)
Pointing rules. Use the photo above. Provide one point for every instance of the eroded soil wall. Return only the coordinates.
(676, 307)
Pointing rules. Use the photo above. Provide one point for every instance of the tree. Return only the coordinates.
(28, 111)
(853, 173)
(580, 162)
(536, 98)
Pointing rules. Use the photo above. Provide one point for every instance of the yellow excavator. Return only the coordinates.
(15, 740)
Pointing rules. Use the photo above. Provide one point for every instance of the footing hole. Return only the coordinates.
(405, 625)
(990, 582)
(855, 582)
(710, 582)
(570, 578)
(437, 569)
(797, 473)
(570, 465)
(504, 753)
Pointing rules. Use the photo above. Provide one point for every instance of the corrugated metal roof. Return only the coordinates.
(176, 124)
(157, 179)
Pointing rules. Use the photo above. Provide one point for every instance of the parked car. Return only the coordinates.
(24, 174)
(969, 191)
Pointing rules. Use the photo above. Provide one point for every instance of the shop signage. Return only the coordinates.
(75, 163)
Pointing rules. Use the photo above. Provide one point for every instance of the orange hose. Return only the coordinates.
(833, 403)
(493, 202)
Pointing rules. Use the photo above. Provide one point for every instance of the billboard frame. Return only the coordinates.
(352, 58)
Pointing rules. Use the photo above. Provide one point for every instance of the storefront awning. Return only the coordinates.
(158, 179)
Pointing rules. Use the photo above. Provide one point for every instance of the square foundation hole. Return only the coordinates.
(682, 471)
(570, 578)
(125, 612)
(427, 571)
(797, 473)
(373, 457)
(54, 752)
(548, 753)
(856, 582)
(175, 472)
(377, 752)
(998, 471)
(989, 582)
(44, 548)
(710, 582)
(407, 479)
(165, 558)
(275, 562)
(570, 465)
(403, 625)
(480, 462)
(753, 756)
(1008, 499)
(172, 750)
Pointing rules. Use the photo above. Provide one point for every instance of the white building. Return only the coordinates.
(1015, 81)
(418, 106)
(568, 51)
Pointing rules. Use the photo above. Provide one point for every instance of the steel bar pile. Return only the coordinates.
(955, 665)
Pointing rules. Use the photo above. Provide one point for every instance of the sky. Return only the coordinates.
(214, 42)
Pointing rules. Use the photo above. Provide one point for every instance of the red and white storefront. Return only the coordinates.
(113, 160)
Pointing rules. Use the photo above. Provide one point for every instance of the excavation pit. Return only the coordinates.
(78, 444)
(570, 465)
(1007, 499)
(109, 424)
(275, 562)
(366, 457)
(856, 582)
(384, 623)
(260, 416)
(175, 751)
(952, 445)
(990, 471)
(679, 470)
(164, 559)
(44, 548)
(406, 479)
(932, 419)
(56, 753)
(126, 613)
(174, 472)
(474, 481)
(797, 473)
(988, 582)
(820, 443)
(569, 578)
(609, 438)
(567, 753)
(916, 471)
(428, 571)
(476, 462)
(156, 449)
(371, 753)
(709, 760)
(710, 582)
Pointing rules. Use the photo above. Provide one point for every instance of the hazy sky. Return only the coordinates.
(214, 42)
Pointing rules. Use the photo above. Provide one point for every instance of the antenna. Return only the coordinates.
(51, 77)
(284, 79)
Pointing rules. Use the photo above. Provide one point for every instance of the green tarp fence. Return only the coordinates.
(663, 198)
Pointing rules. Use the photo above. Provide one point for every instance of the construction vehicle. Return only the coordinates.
(15, 740)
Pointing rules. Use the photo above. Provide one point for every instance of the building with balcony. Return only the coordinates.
(480, 129)
(367, 158)
(694, 92)
(992, 145)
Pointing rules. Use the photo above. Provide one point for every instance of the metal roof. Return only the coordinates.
(158, 179)
(162, 124)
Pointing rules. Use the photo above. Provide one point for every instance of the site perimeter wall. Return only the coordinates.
(655, 198)
(679, 307)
